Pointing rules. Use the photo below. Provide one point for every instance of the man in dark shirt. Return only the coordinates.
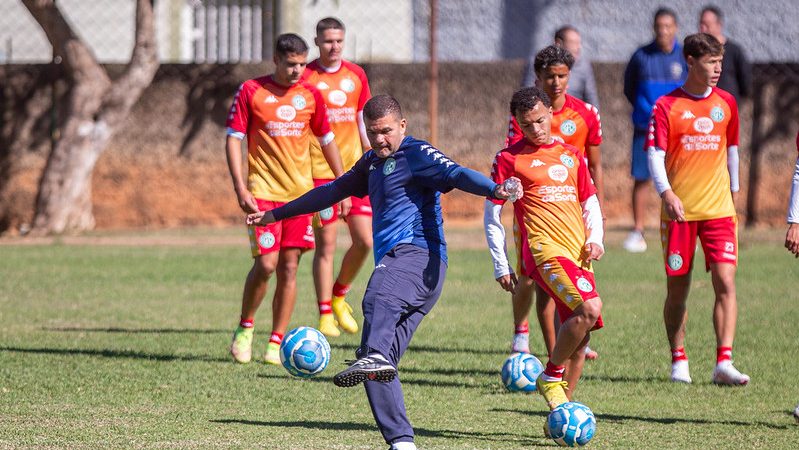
(736, 73)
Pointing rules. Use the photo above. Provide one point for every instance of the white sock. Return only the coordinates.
(403, 446)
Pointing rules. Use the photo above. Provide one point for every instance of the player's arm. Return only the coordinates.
(792, 236)
(495, 237)
(594, 228)
(365, 145)
(656, 159)
(733, 169)
(237, 124)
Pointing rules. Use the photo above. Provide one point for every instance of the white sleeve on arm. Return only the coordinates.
(656, 157)
(732, 167)
(793, 203)
(592, 218)
(495, 236)
(326, 139)
(236, 134)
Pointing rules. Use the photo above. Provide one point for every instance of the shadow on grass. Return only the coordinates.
(432, 349)
(124, 354)
(619, 418)
(424, 432)
(138, 330)
(405, 382)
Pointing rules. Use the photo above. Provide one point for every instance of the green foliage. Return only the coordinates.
(126, 347)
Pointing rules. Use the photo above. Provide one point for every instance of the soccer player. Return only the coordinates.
(576, 123)
(693, 158)
(404, 177)
(345, 90)
(792, 236)
(561, 228)
(654, 69)
(278, 114)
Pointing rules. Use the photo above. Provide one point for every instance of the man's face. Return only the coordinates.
(554, 79)
(385, 134)
(536, 124)
(706, 69)
(572, 42)
(709, 23)
(289, 68)
(665, 30)
(331, 45)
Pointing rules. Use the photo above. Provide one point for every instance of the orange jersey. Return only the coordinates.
(279, 123)
(556, 181)
(344, 91)
(576, 124)
(695, 133)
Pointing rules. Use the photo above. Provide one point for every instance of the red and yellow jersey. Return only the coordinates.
(695, 133)
(556, 181)
(344, 91)
(279, 123)
(576, 124)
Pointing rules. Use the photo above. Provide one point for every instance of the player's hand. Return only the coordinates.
(792, 239)
(510, 189)
(508, 282)
(260, 218)
(674, 206)
(344, 207)
(593, 252)
(247, 201)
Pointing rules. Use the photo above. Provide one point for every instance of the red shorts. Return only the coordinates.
(360, 207)
(719, 238)
(568, 283)
(295, 232)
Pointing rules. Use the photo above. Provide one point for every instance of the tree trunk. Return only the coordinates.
(95, 107)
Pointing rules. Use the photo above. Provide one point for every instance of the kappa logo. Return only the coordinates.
(389, 166)
(568, 127)
(322, 86)
(687, 115)
(270, 99)
(266, 240)
(298, 101)
(347, 85)
(567, 161)
(558, 173)
(337, 97)
(675, 261)
(286, 112)
(717, 114)
(703, 125)
(537, 163)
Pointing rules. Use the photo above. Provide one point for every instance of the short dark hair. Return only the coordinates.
(525, 100)
(380, 106)
(552, 55)
(700, 44)
(663, 11)
(329, 23)
(561, 33)
(715, 10)
(288, 43)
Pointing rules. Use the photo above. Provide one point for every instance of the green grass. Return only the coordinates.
(123, 346)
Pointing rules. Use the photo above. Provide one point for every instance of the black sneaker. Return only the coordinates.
(371, 368)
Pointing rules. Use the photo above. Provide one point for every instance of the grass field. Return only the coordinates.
(124, 345)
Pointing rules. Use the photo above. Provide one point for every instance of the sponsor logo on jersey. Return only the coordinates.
(347, 85)
(286, 112)
(327, 213)
(389, 166)
(584, 285)
(322, 86)
(270, 99)
(266, 240)
(676, 70)
(717, 114)
(298, 101)
(558, 173)
(337, 97)
(703, 125)
(675, 261)
(567, 161)
(568, 127)
(537, 163)
(687, 115)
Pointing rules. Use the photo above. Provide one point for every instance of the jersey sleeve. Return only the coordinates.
(238, 117)
(658, 127)
(501, 170)
(433, 169)
(366, 92)
(594, 125)
(585, 187)
(733, 129)
(319, 123)
(514, 132)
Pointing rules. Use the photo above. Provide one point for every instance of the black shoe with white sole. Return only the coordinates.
(368, 368)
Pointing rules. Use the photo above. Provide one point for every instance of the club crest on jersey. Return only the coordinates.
(337, 97)
(675, 261)
(389, 166)
(568, 127)
(347, 85)
(703, 125)
(327, 213)
(266, 240)
(717, 114)
(676, 70)
(286, 112)
(298, 101)
(558, 173)
(584, 285)
(567, 161)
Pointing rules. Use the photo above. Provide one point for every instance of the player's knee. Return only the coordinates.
(592, 309)
(362, 244)
(263, 268)
(287, 269)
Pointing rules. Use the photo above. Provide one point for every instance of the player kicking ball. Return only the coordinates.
(403, 177)
(563, 231)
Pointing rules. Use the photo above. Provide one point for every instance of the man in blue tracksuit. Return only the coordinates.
(654, 70)
(403, 177)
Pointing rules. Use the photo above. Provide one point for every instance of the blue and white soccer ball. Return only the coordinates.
(520, 371)
(571, 424)
(304, 352)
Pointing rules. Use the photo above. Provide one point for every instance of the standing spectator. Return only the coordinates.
(654, 69)
(581, 81)
(736, 73)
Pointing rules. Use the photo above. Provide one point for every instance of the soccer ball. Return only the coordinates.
(304, 352)
(571, 424)
(520, 371)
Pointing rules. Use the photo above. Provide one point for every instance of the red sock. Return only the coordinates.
(524, 328)
(340, 290)
(325, 307)
(553, 371)
(678, 354)
(247, 323)
(277, 338)
(723, 354)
